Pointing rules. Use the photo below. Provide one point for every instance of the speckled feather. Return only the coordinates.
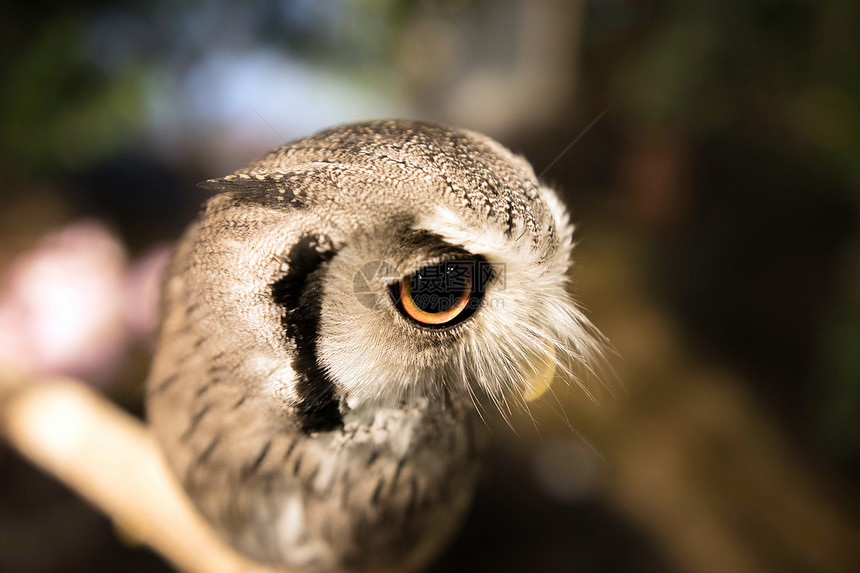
(325, 435)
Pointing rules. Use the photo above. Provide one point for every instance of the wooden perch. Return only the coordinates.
(110, 459)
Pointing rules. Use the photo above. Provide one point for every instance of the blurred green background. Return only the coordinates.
(716, 199)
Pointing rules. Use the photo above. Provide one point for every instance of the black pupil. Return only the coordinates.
(437, 288)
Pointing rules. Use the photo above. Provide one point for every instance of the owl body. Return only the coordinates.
(322, 410)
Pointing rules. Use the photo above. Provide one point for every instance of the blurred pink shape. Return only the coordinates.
(142, 286)
(61, 311)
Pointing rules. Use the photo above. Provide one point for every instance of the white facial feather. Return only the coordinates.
(527, 316)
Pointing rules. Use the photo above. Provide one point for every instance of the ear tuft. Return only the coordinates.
(266, 188)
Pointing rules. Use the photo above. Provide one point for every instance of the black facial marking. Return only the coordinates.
(299, 293)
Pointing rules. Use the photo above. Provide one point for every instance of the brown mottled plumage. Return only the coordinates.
(323, 432)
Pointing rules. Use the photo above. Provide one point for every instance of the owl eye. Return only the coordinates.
(444, 294)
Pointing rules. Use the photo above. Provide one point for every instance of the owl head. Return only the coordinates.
(380, 263)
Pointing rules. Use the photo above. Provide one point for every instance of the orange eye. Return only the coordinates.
(442, 295)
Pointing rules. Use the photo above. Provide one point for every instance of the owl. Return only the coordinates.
(335, 325)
